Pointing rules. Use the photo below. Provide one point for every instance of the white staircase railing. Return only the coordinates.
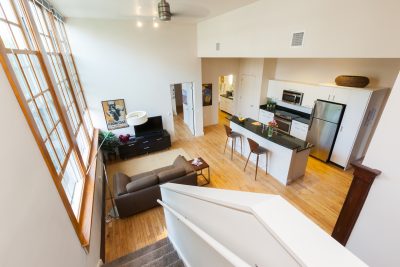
(214, 227)
(218, 247)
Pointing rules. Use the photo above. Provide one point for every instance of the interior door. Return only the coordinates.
(188, 109)
(248, 101)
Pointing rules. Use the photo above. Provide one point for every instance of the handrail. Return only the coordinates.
(221, 249)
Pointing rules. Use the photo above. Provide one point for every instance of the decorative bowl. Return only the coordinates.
(352, 81)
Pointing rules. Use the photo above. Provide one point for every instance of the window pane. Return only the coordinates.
(6, 35)
(57, 146)
(20, 77)
(53, 156)
(37, 119)
(30, 76)
(39, 72)
(50, 103)
(72, 183)
(19, 36)
(88, 123)
(8, 9)
(63, 137)
(83, 145)
(44, 113)
(1, 13)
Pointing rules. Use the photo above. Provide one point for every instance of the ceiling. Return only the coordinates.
(189, 11)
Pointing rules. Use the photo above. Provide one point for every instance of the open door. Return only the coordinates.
(188, 106)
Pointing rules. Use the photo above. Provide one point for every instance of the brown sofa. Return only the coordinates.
(140, 192)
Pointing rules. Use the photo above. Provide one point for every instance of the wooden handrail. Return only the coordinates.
(355, 199)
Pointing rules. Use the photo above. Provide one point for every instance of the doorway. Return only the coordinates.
(183, 109)
(226, 98)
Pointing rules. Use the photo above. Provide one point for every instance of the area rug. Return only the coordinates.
(145, 163)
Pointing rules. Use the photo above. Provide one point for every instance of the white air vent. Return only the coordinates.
(297, 39)
(217, 46)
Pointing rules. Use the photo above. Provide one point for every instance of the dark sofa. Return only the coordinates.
(140, 192)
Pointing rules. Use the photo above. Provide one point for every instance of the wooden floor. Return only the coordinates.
(319, 194)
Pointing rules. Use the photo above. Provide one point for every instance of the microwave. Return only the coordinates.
(292, 97)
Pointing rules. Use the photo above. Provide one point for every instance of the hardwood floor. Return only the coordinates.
(319, 194)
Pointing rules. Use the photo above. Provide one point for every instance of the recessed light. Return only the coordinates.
(156, 24)
(139, 24)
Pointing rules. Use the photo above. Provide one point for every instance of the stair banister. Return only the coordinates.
(222, 250)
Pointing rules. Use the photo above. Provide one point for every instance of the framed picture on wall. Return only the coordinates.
(115, 114)
(207, 94)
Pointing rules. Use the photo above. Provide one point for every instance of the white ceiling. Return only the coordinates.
(185, 10)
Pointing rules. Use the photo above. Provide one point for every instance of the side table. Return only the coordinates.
(199, 170)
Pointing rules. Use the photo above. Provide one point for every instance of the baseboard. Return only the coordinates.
(100, 263)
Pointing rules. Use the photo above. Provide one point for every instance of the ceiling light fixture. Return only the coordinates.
(164, 11)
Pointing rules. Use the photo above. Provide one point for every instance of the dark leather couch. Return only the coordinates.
(140, 192)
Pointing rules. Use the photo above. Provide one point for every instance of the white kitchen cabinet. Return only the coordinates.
(265, 116)
(356, 101)
(299, 130)
(226, 105)
(311, 94)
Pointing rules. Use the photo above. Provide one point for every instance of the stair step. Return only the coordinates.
(178, 263)
(164, 260)
(137, 254)
(150, 256)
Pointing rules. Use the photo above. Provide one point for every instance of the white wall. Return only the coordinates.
(338, 29)
(212, 69)
(35, 229)
(382, 72)
(376, 235)
(116, 59)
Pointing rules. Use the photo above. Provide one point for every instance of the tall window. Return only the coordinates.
(60, 29)
(45, 25)
(52, 99)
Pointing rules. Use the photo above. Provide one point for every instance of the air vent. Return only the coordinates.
(217, 46)
(297, 39)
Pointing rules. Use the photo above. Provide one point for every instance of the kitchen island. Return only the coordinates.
(287, 157)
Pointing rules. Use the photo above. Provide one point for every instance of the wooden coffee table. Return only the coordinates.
(199, 170)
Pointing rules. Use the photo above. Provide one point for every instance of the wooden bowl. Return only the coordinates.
(352, 81)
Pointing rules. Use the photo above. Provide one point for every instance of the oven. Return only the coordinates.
(284, 125)
(292, 97)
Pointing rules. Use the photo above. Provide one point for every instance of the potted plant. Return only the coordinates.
(271, 126)
(109, 143)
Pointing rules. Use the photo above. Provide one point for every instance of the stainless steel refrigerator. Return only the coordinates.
(324, 125)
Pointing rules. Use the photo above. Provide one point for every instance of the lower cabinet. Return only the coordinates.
(299, 130)
(226, 105)
(144, 145)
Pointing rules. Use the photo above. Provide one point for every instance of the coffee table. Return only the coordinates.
(199, 170)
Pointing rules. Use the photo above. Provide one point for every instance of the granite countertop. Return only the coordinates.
(279, 138)
(226, 96)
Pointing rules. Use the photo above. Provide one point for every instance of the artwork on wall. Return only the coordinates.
(207, 94)
(115, 114)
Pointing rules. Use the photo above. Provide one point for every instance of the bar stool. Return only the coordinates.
(258, 150)
(234, 136)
